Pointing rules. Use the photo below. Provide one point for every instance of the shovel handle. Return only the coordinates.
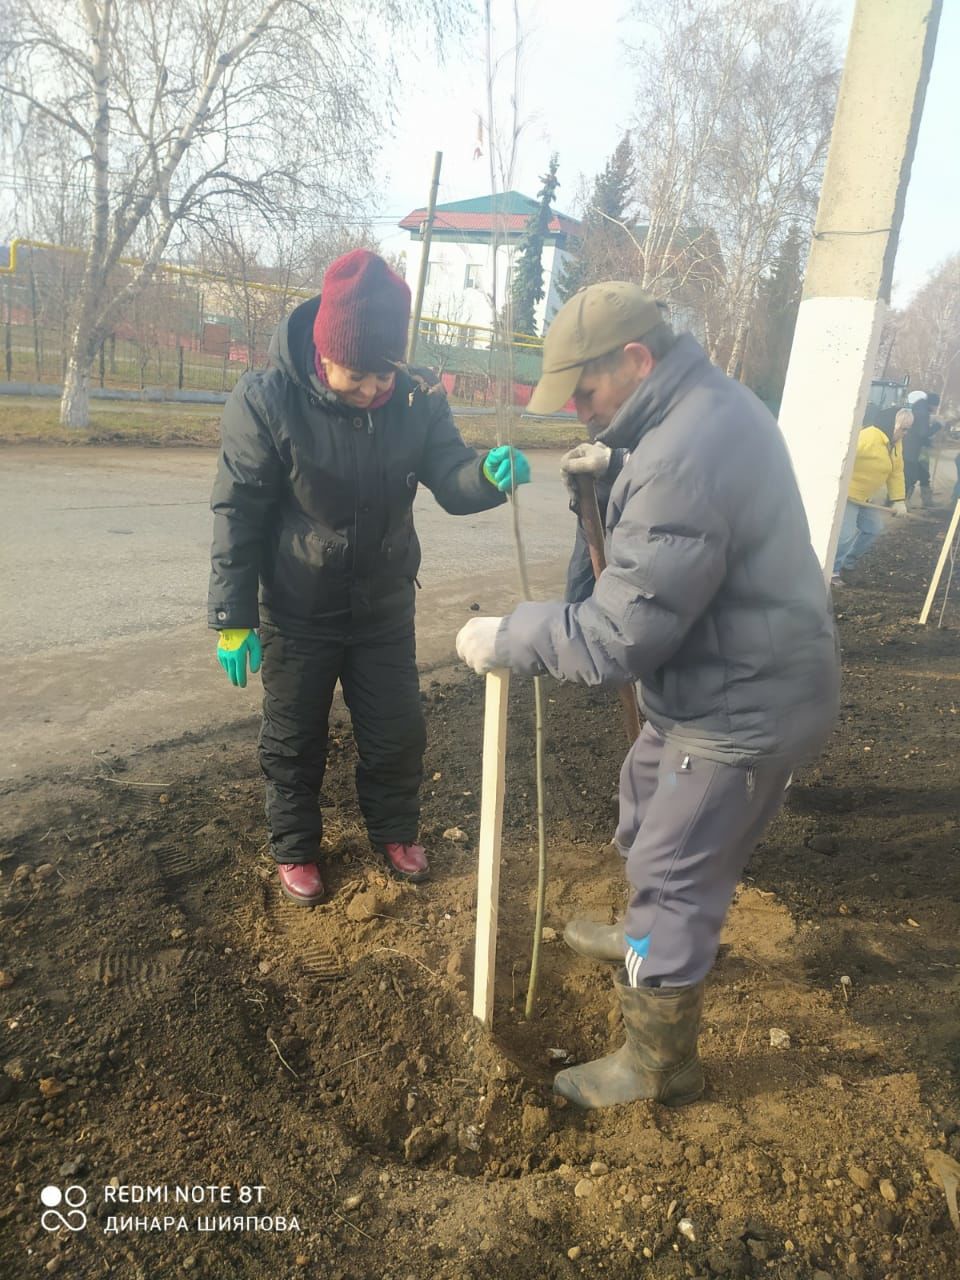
(592, 527)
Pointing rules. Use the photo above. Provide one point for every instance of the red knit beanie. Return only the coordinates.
(363, 315)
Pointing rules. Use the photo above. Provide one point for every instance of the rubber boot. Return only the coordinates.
(926, 498)
(595, 941)
(659, 1060)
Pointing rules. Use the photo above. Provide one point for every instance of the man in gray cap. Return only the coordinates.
(713, 600)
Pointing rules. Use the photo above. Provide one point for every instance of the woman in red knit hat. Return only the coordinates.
(314, 548)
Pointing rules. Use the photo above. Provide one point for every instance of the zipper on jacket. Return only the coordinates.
(356, 491)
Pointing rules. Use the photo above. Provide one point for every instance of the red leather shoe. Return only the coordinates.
(301, 882)
(408, 861)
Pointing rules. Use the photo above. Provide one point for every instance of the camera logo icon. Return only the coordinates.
(73, 1198)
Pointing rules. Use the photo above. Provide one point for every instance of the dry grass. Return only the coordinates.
(525, 433)
(29, 420)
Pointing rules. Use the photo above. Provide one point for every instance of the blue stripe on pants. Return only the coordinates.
(636, 950)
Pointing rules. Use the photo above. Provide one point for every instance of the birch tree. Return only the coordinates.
(688, 65)
(173, 113)
(926, 342)
(734, 109)
(763, 176)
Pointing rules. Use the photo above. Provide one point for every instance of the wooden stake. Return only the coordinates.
(938, 571)
(491, 828)
(426, 230)
(592, 527)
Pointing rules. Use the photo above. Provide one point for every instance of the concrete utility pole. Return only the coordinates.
(850, 270)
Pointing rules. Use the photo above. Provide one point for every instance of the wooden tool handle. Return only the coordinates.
(593, 532)
(591, 522)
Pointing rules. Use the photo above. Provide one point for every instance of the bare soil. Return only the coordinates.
(200, 1030)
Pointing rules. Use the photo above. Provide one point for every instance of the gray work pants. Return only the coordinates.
(687, 828)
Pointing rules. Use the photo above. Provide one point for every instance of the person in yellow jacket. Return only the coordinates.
(879, 463)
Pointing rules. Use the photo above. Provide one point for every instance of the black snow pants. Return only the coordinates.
(916, 471)
(374, 658)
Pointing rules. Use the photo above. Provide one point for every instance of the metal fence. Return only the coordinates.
(477, 374)
(39, 355)
(191, 331)
(36, 354)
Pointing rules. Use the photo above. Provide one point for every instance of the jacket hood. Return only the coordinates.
(292, 351)
(883, 418)
(921, 416)
(657, 394)
(291, 347)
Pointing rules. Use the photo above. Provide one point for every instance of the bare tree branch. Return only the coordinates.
(67, 121)
(736, 100)
(175, 114)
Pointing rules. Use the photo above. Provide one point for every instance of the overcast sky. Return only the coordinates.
(576, 97)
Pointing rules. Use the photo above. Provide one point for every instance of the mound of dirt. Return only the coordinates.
(169, 1020)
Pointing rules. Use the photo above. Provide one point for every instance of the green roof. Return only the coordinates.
(504, 202)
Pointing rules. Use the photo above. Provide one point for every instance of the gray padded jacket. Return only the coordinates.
(712, 598)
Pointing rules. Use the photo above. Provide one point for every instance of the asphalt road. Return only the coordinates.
(104, 565)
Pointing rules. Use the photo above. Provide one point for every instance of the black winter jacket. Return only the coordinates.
(313, 499)
(919, 434)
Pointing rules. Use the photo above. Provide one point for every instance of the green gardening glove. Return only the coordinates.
(233, 651)
(506, 467)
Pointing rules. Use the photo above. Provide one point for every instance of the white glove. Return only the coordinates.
(586, 460)
(898, 508)
(476, 643)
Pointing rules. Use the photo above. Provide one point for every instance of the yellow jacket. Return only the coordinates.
(877, 464)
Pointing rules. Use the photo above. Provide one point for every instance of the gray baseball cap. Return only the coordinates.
(594, 322)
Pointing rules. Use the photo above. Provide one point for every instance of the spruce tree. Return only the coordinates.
(605, 249)
(775, 316)
(527, 284)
